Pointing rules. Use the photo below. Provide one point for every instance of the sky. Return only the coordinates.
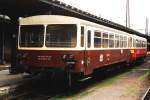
(115, 10)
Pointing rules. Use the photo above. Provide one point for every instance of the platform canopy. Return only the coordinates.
(23, 8)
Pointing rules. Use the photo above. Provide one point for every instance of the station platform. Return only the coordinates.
(7, 79)
(4, 67)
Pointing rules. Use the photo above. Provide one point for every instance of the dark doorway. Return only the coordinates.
(5, 40)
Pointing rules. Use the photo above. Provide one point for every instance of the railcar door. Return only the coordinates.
(88, 51)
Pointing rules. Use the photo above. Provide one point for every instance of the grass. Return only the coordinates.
(90, 89)
(144, 76)
(103, 83)
(132, 90)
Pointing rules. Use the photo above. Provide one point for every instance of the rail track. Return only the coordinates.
(30, 87)
(11, 90)
(146, 96)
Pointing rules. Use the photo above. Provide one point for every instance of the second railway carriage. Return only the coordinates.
(74, 45)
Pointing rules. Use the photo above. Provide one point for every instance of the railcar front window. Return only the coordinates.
(61, 35)
(31, 36)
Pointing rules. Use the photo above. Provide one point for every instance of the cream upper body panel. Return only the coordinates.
(60, 19)
(48, 19)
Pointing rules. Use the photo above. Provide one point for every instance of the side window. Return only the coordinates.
(97, 39)
(82, 36)
(116, 41)
(130, 42)
(134, 43)
(137, 43)
(140, 43)
(89, 38)
(111, 40)
(121, 41)
(143, 44)
(105, 40)
(125, 41)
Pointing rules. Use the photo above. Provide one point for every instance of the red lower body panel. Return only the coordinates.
(86, 61)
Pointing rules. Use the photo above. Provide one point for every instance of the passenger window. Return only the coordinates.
(124, 41)
(137, 43)
(130, 42)
(97, 39)
(117, 41)
(121, 41)
(105, 40)
(82, 36)
(111, 40)
(134, 43)
(143, 44)
(89, 38)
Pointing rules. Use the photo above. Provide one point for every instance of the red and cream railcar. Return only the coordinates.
(63, 42)
(139, 48)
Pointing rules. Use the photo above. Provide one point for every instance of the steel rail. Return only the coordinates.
(146, 93)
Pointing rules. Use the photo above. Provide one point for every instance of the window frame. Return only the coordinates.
(82, 36)
(105, 39)
(112, 39)
(98, 37)
(62, 46)
(117, 43)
